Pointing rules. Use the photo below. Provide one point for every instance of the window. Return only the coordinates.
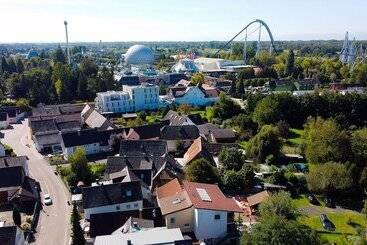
(136, 205)
(128, 206)
(187, 225)
(172, 220)
(217, 216)
(128, 193)
(141, 176)
(117, 207)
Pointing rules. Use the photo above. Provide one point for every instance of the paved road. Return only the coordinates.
(53, 226)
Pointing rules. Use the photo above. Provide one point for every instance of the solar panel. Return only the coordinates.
(203, 195)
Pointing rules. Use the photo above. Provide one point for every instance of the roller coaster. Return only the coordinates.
(245, 29)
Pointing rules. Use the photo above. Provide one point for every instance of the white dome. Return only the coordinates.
(139, 55)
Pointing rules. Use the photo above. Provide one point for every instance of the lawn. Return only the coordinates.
(294, 141)
(153, 118)
(346, 226)
(301, 201)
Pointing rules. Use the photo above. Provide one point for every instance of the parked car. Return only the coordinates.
(312, 199)
(47, 199)
(326, 223)
(329, 203)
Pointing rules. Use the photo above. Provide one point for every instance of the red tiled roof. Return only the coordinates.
(218, 201)
(169, 189)
(257, 198)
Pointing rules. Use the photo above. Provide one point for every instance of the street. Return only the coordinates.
(53, 225)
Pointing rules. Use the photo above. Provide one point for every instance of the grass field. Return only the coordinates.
(291, 145)
(346, 226)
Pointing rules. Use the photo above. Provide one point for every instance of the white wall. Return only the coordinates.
(206, 226)
(195, 97)
(113, 208)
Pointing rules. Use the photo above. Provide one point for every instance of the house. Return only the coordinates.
(93, 119)
(219, 83)
(15, 184)
(135, 224)
(158, 235)
(306, 84)
(118, 197)
(151, 170)
(197, 150)
(93, 141)
(197, 207)
(173, 118)
(185, 134)
(216, 134)
(135, 98)
(143, 148)
(4, 120)
(11, 235)
(195, 96)
(14, 113)
(251, 203)
(145, 132)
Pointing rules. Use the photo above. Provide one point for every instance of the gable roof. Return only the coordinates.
(103, 195)
(12, 171)
(87, 136)
(169, 189)
(143, 148)
(197, 148)
(43, 126)
(184, 132)
(149, 131)
(218, 200)
(96, 120)
(257, 198)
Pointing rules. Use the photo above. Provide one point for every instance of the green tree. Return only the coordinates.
(248, 175)
(267, 111)
(326, 141)
(201, 171)
(23, 104)
(88, 67)
(231, 159)
(276, 230)
(16, 216)
(240, 88)
(289, 65)
(106, 80)
(77, 232)
(19, 65)
(233, 181)
(197, 79)
(79, 167)
(4, 65)
(59, 88)
(59, 56)
(82, 91)
(244, 74)
(329, 179)
(279, 204)
(225, 108)
(62, 75)
(359, 145)
(265, 143)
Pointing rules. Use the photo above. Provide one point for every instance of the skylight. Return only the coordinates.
(203, 195)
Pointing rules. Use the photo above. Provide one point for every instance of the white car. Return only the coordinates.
(47, 199)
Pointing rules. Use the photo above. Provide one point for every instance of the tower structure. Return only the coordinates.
(67, 42)
(348, 52)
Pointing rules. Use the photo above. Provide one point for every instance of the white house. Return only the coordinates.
(130, 99)
(118, 197)
(193, 95)
(197, 207)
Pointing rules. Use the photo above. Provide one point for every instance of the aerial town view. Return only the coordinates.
(183, 122)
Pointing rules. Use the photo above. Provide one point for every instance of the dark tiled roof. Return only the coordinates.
(148, 131)
(143, 148)
(8, 162)
(11, 110)
(43, 126)
(67, 109)
(224, 135)
(3, 116)
(72, 125)
(206, 128)
(97, 196)
(8, 235)
(87, 136)
(185, 132)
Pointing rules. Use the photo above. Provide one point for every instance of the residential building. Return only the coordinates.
(143, 148)
(118, 197)
(197, 207)
(131, 99)
(4, 120)
(93, 119)
(93, 141)
(173, 118)
(216, 134)
(14, 113)
(198, 149)
(145, 132)
(158, 235)
(11, 235)
(174, 135)
(195, 96)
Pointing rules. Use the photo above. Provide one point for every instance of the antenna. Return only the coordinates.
(67, 42)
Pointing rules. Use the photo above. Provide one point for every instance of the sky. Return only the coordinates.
(178, 20)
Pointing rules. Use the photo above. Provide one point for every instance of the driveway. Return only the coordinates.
(53, 225)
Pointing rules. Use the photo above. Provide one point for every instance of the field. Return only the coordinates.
(291, 145)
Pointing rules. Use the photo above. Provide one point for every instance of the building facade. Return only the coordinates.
(130, 99)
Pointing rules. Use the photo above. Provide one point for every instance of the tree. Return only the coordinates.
(79, 167)
(279, 204)
(248, 175)
(197, 79)
(16, 216)
(23, 104)
(265, 143)
(88, 67)
(246, 73)
(329, 179)
(201, 171)
(82, 87)
(231, 159)
(106, 80)
(359, 145)
(59, 88)
(240, 88)
(289, 65)
(59, 56)
(233, 181)
(276, 230)
(184, 109)
(225, 108)
(63, 80)
(77, 232)
(326, 141)
(4, 65)
(267, 111)
(363, 179)
(19, 65)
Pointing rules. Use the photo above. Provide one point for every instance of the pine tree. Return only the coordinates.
(82, 87)
(20, 66)
(77, 232)
(4, 65)
(59, 55)
(289, 65)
